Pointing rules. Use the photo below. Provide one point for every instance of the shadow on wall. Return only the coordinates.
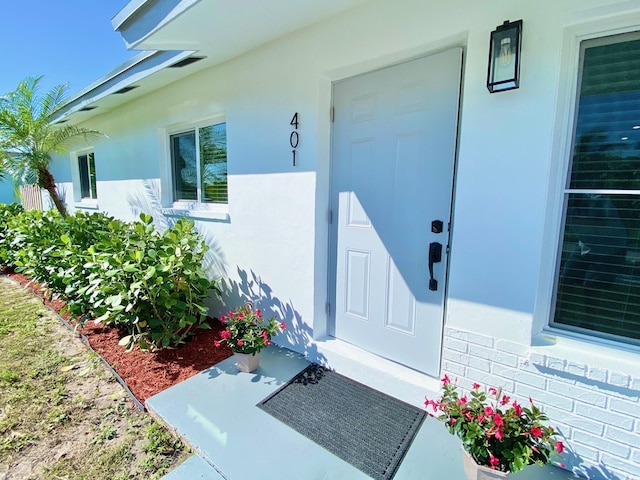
(148, 201)
(571, 458)
(297, 336)
(574, 463)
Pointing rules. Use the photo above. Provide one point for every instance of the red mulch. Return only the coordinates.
(145, 373)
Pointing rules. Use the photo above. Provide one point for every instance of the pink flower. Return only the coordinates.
(517, 408)
(499, 434)
(480, 418)
(259, 313)
(240, 343)
(497, 419)
(265, 335)
(225, 334)
(431, 403)
(283, 326)
(492, 390)
(267, 342)
(559, 447)
(536, 432)
(446, 380)
(222, 318)
(476, 386)
(216, 343)
(462, 401)
(494, 461)
(453, 422)
(240, 315)
(505, 399)
(488, 411)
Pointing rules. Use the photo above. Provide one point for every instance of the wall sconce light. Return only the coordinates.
(504, 57)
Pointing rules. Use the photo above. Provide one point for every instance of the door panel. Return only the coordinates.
(393, 156)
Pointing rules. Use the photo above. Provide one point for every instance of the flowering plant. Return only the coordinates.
(247, 331)
(497, 434)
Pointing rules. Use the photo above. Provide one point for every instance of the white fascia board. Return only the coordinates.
(134, 70)
(141, 18)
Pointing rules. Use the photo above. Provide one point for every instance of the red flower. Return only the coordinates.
(225, 334)
(240, 343)
(446, 380)
(480, 418)
(488, 411)
(497, 419)
(505, 399)
(559, 447)
(462, 401)
(499, 434)
(222, 318)
(476, 386)
(536, 432)
(240, 315)
(283, 326)
(259, 313)
(494, 461)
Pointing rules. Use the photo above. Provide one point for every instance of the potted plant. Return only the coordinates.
(247, 332)
(498, 436)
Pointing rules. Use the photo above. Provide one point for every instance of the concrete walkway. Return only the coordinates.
(215, 412)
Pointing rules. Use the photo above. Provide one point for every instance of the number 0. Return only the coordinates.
(294, 139)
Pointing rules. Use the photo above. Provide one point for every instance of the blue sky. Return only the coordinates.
(67, 41)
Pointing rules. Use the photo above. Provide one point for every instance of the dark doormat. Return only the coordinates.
(370, 430)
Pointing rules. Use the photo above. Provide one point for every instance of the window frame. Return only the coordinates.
(76, 179)
(92, 188)
(190, 208)
(545, 338)
(568, 192)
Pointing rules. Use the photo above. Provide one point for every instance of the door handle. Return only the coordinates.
(435, 256)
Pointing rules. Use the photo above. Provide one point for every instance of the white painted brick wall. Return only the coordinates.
(597, 410)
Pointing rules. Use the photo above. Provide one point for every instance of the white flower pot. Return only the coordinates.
(473, 471)
(246, 362)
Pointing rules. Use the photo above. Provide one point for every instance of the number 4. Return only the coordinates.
(294, 121)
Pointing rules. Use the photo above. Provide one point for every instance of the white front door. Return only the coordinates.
(394, 144)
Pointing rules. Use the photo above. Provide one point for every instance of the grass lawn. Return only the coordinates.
(62, 415)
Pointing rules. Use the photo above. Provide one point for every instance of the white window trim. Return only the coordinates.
(572, 346)
(79, 202)
(190, 209)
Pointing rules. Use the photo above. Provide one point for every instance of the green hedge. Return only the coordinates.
(149, 283)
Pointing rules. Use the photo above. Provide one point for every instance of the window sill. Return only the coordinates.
(584, 357)
(195, 213)
(87, 204)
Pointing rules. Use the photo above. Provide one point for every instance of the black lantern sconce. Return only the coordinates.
(504, 57)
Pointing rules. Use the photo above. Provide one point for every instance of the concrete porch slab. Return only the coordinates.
(215, 412)
(193, 468)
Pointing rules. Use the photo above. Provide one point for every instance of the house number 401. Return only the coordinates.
(294, 138)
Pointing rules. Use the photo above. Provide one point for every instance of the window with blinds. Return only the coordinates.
(199, 164)
(598, 281)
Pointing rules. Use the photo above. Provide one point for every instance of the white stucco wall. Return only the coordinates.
(511, 162)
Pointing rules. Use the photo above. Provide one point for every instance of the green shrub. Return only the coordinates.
(154, 285)
(150, 284)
